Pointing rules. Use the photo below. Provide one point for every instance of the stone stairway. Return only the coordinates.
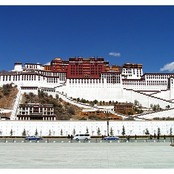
(15, 106)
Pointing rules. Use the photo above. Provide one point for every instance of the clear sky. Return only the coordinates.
(120, 34)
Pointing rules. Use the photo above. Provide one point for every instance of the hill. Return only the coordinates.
(8, 94)
(62, 109)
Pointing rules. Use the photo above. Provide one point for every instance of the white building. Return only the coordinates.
(126, 85)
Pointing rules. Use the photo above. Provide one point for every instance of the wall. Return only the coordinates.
(98, 91)
(163, 94)
(144, 100)
(35, 82)
(161, 114)
(43, 127)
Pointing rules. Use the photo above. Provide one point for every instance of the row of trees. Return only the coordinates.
(136, 104)
(111, 133)
(101, 103)
(155, 107)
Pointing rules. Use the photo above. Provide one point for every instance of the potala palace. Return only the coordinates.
(91, 79)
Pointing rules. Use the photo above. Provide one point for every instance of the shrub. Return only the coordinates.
(71, 110)
(6, 89)
(94, 117)
(24, 133)
(83, 118)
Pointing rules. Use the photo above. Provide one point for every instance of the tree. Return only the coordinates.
(6, 89)
(57, 96)
(24, 133)
(123, 131)
(74, 131)
(78, 99)
(87, 130)
(168, 107)
(171, 135)
(158, 131)
(71, 110)
(111, 132)
(11, 132)
(95, 101)
(158, 107)
(155, 107)
(49, 132)
(61, 132)
(36, 133)
(98, 131)
(171, 131)
(136, 103)
(41, 94)
(147, 132)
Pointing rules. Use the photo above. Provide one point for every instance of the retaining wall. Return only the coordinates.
(67, 127)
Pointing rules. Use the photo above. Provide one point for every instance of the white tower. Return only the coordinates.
(17, 66)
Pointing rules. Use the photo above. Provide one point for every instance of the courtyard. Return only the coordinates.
(65, 155)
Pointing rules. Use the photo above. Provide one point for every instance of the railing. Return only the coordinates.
(13, 139)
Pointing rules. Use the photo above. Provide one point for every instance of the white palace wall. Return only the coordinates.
(144, 100)
(163, 94)
(38, 80)
(103, 91)
(91, 91)
(161, 114)
(98, 93)
(55, 127)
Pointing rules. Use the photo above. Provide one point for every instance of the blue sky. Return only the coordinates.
(120, 34)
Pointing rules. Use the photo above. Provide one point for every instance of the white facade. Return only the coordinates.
(104, 89)
(126, 86)
(67, 127)
(33, 66)
(132, 73)
(18, 67)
